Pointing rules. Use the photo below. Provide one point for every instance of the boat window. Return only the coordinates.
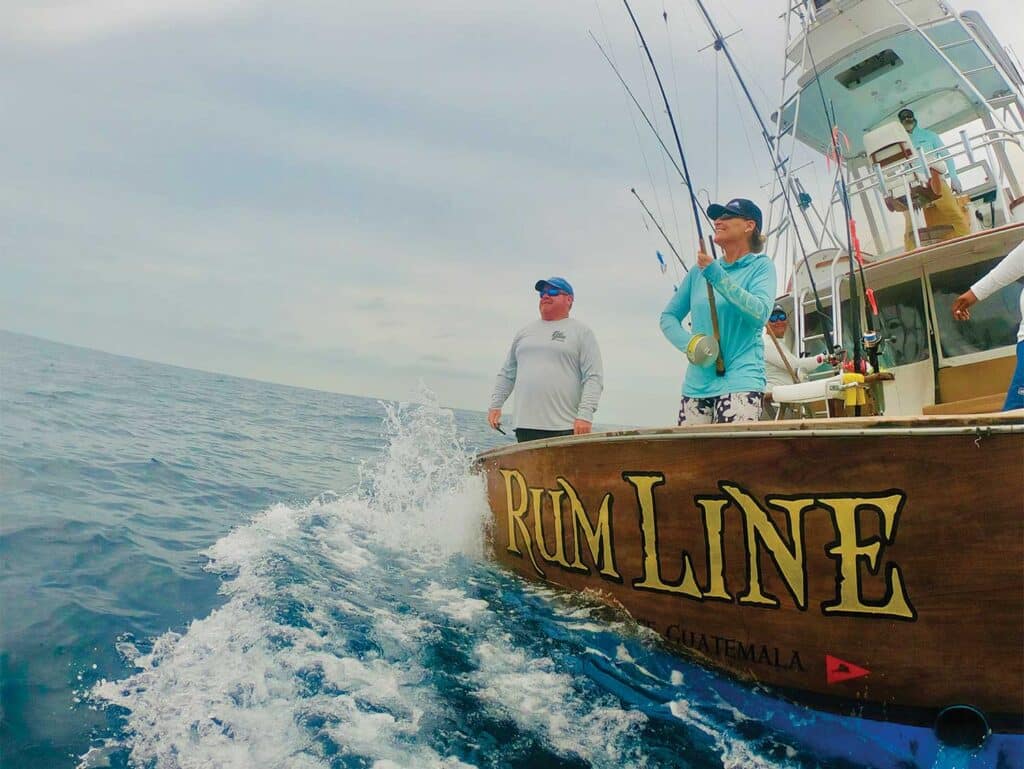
(813, 328)
(903, 323)
(869, 69)
(993, 322)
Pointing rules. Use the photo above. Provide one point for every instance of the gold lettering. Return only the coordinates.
(759, 528)
(713, 526)
(644, 484)
(599, 537)
(515, 515)
(848, 549)
(558, 556)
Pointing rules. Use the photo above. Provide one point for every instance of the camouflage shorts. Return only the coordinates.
(731, 407)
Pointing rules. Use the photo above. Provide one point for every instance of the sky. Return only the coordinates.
(360, 198)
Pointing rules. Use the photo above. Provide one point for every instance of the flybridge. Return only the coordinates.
(867, 60)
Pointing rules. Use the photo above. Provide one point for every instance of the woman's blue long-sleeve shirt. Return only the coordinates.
(744, 296)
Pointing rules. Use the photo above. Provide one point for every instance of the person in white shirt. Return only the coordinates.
(776, 356)
(554, 365)
(1003, 274)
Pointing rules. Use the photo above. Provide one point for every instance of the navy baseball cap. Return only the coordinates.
(560, 283)
(741, 207)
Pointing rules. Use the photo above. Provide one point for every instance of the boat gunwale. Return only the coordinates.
(1008, 422)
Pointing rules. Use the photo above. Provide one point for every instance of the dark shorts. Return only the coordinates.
(524, 434)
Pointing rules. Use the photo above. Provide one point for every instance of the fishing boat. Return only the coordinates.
(866, 556)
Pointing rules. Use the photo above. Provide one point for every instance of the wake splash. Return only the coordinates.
(359, 630)
(365, 631)
(422, 492)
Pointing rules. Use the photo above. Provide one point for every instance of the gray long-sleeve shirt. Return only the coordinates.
(556, 370)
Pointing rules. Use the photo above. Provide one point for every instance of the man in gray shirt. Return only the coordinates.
(554, 365)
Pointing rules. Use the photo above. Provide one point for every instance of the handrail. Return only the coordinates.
(910, 167)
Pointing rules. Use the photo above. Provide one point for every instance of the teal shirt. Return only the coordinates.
(928, 141)
(744, 296)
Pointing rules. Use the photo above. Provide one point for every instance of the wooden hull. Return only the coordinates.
(871, 566)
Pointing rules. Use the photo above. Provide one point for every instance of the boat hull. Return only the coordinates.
(873, 567)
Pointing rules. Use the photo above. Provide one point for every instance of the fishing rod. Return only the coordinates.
(720, 45)
(643, 114)
(651, 216)
(870, 338)
(719, 360)
(855, 328)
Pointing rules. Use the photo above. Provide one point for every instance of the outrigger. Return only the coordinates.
(866, 558)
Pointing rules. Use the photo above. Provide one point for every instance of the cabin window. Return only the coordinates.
(903, 323)
(994, 322)
(869, 69)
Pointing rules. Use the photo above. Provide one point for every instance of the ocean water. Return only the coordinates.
(204, 571)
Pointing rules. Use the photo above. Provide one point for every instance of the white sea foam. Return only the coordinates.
(454, 603)
(422, 491)
(322, 648)
(313, 646)
(263, 679)
(735, 752)
(541, 699)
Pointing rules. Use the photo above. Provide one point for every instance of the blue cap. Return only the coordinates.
(560, 283)
(737, 207)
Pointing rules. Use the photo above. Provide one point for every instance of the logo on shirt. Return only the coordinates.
(557, 336)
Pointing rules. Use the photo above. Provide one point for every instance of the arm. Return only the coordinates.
(592, 380)
(755, 303)
(676, 310)
(1003, 274)
(503, 385)
(809, 363)
(933, 142)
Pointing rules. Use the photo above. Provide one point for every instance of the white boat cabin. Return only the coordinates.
(868, 60)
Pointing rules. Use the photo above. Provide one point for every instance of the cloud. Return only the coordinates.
(78, 21)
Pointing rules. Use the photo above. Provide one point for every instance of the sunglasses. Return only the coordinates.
(550, 292)
(906, 118)
(775, 317)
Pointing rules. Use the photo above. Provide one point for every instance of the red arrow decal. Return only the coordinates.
(837, 670)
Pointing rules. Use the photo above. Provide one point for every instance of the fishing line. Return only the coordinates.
(777, 163)
(656, 224)
(746, 135)
(675, 85)
(612, 62)
(609, 56)
(718, 124)
(855, 312)
(643, 114)
(650, 99)
(719, 362)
